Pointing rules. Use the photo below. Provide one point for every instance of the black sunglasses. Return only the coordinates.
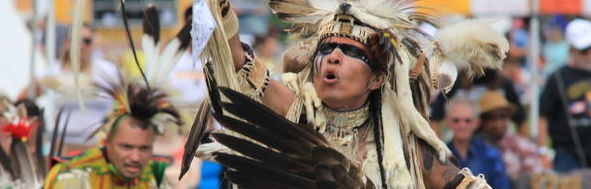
(586, 50)
(349, 50)
(465, 120)
(496, 116)
(87, 41)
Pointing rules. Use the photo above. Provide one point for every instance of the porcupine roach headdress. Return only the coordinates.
(149, 106)
(412, 61)
(139, 99)
(26, 169)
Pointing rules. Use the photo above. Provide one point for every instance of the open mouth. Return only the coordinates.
(330, 77)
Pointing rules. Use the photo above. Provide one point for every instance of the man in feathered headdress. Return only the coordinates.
(366, 72)
(125, 161)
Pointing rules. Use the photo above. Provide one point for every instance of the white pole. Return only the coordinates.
(50, 43)
(33, 89)
(534, 52)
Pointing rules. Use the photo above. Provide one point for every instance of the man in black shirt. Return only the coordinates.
(565, 104)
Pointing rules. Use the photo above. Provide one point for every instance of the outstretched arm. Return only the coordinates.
(237, 51)
(437, 174)
(276, 95)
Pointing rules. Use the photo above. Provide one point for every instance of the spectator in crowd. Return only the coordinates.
(555, 50)
(253, 15)
(62, 87)
(471, 152)
(266, 48)
(519, 39)
(473, 90)
(565, 103)
(520, 155)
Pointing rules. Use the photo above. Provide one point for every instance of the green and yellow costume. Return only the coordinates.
(92, 170)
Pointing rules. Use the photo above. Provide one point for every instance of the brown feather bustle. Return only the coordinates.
(285, 154)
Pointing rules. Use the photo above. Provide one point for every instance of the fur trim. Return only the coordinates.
(473, 44)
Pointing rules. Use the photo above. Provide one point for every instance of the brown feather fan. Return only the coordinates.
(283, 155)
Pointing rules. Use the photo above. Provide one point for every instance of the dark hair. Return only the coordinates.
(89, 26)
(30, 106)
(188, 13)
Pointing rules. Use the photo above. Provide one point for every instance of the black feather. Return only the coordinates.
(184, 35)
(265, 117)
(130, 39)
(251, 131)
(262, 170)
(254, 181)
(212, 88)
(54, 138)
(269, 156)
(200, 124)
(63, 136)
(202, 119)
(41, 161)
(151, 23)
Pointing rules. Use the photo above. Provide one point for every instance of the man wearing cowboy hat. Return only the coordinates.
(519, 154)
(470, 151)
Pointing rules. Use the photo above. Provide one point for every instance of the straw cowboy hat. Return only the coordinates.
(493, 100)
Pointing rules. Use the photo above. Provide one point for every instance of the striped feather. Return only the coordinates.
(198, 129)
(202, 119)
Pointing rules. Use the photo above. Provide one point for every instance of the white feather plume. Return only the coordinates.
(166, 61)
(150, 53)
(473, 43)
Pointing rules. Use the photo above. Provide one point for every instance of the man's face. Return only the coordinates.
(461, 120)
(495, 123)
(87, 43)
(582, 58)
(342, 78)
(130, 147)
